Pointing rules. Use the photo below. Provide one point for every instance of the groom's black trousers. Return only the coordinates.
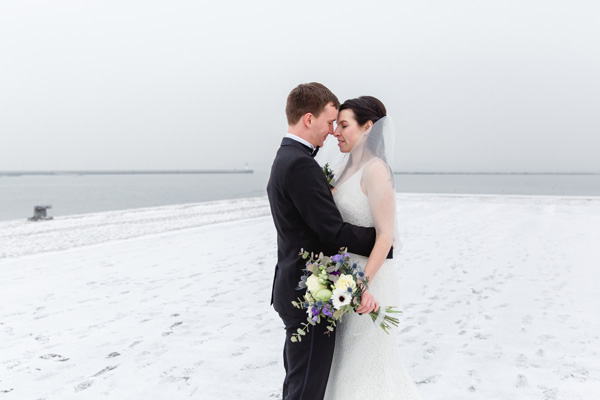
(306, 377)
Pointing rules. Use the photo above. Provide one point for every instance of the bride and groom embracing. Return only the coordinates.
(356, 360)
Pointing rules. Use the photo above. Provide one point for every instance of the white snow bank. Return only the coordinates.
(26, 237)
(499, 297)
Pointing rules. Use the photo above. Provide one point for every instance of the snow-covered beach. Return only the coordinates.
(500, 300)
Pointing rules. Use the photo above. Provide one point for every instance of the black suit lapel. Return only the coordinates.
(291, 142)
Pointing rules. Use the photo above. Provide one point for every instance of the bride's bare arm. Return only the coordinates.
(378, 186)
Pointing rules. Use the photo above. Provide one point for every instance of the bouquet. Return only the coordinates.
(334, 286)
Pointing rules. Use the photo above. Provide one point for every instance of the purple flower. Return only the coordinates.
(336, 258)
(327, 310)
(315, 314)
(336, 273)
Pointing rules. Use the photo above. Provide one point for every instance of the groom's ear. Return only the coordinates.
(307, 119)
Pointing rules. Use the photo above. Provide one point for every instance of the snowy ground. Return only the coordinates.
(500, 299)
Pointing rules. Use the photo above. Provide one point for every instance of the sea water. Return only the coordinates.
(79, 194)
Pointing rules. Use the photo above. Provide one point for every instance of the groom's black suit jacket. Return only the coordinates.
(305, 216)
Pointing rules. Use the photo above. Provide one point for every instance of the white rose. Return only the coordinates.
(345, 282)
(313, 285)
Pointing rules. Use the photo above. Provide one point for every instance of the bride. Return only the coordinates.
(366, 362)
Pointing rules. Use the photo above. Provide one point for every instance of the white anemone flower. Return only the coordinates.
(341, 297)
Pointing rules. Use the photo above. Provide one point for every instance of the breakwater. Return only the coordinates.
(130, 172)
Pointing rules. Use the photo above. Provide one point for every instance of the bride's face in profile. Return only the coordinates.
(348, 132)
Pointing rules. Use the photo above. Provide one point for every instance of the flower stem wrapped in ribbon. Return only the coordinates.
(334, 286)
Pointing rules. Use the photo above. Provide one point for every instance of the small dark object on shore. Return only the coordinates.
(39, 213)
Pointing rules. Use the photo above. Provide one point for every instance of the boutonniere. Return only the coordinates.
(328, 173)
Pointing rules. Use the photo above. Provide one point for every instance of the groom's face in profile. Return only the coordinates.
(322, 126)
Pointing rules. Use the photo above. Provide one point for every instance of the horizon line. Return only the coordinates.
(493, 173)
(129, 172)
(237, 171)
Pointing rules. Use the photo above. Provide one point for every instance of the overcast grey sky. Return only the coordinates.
(499, 85)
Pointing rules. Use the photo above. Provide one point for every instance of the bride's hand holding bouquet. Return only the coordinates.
(336, 286)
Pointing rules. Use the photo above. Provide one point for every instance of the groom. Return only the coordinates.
(305, 216)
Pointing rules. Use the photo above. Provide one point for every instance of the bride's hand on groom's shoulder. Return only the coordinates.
(367, 304)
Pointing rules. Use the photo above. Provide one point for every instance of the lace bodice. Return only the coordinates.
(352, 202)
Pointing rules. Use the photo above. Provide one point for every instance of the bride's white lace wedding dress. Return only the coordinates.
(366, 362)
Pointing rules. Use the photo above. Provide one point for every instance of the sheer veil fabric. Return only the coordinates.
(373, 152)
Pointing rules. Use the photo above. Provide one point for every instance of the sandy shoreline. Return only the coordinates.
(499, 293)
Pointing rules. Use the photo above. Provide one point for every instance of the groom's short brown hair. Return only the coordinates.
(308, 98)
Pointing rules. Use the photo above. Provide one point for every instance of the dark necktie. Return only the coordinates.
(315, 151)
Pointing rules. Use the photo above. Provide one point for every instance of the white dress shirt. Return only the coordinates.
(300, 140)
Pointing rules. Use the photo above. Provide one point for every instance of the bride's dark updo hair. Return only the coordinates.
(365, 108)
